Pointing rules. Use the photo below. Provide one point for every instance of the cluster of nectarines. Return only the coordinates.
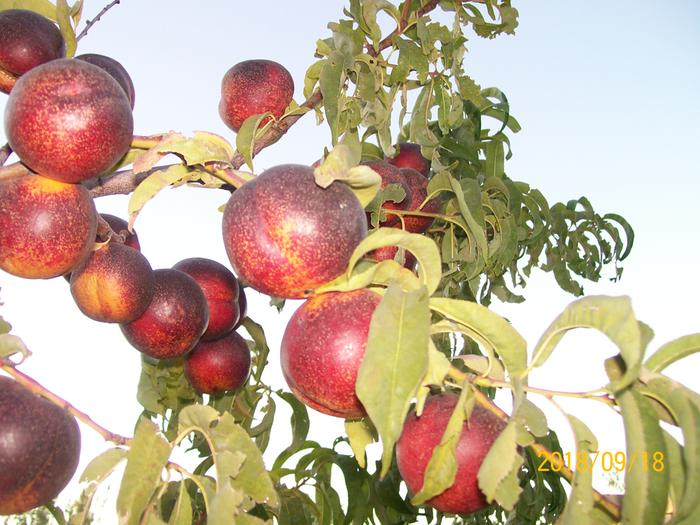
(70, 120)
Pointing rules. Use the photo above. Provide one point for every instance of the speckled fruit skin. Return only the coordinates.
(390, 175)
(219, 366)
(68, 120)
(322, 348)
(409, 156)
(39, 449)
(114, 68)
(174, 320)
(27, 40)
(253, 87)
(121, 227)
(220, 287)
(46, 227)
(285, 235)
(388, 253)
(114, 285)
(422, 434)
(419, 191)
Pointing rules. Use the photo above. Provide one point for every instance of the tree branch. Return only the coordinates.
(32, 385)
(92, 22)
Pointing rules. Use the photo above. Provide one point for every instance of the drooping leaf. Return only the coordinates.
(500, 465)
(63, 17)
(613, 316)
(245, 138)
(442, 467)
(488, 328)
(103, 465)
(673, 351)
(360, 433)
(646, 490)
(580, 504)
(147, 456)
(395, 362)
(12, 345)
(43, 7)
(182, 511)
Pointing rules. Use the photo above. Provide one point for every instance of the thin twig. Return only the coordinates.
(5, 153)
(35, 387)
(92, 22)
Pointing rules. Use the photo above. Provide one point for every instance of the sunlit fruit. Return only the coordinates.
(114, 285)
(410, 156)
(285, 235)
(222, 365)
(254, 87)
(68, 120)
(322, 348)
(39, 448)
(220, 287)
(422, 434)
(46, 227)
(175, 319)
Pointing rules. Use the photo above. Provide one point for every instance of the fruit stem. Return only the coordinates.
(32, 385)
(92, 22)
(5, 153)
(7, 81)
(541, 451)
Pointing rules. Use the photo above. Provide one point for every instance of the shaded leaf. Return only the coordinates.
(673, 351)
(395, 362)
(360, 433)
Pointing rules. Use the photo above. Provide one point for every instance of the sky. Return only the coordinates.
(606, 93)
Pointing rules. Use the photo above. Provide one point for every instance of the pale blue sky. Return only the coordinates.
(606, 93)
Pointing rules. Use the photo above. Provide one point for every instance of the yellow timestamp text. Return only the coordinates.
(608, 461)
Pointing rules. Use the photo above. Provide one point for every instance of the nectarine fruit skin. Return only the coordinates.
(46, 227)
(175, 319)
(68, 120)
(220, 288)
(410, 156)
(27, 40)
(253, 87)
(120, 226)
(114, 68)
(113, 285)
(222, 365)
(39, 449)
(422, 434)
(322, 349)
(419, 191)
(285, 235)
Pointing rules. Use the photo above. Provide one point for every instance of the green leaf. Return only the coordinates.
(438, 368)
(441, 470)
(297, 508)
(245, 138)
(11, 345)
(5, 327)
(263, 350)
(223, 505)
(646, 490)
(103, 465)
(673, 351)
(63, 17)
(182, 512)
(423, 248)
(580, 505)
(488, 328)
(395, 362)
(151, 185)
(360, 433)
(501, 463)
(341, 165)
(613, 316)
(533, 417)
(236, 457)
(147, 456)
(43, 7)
(300, 428)
(202, 148)
(331, 83)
